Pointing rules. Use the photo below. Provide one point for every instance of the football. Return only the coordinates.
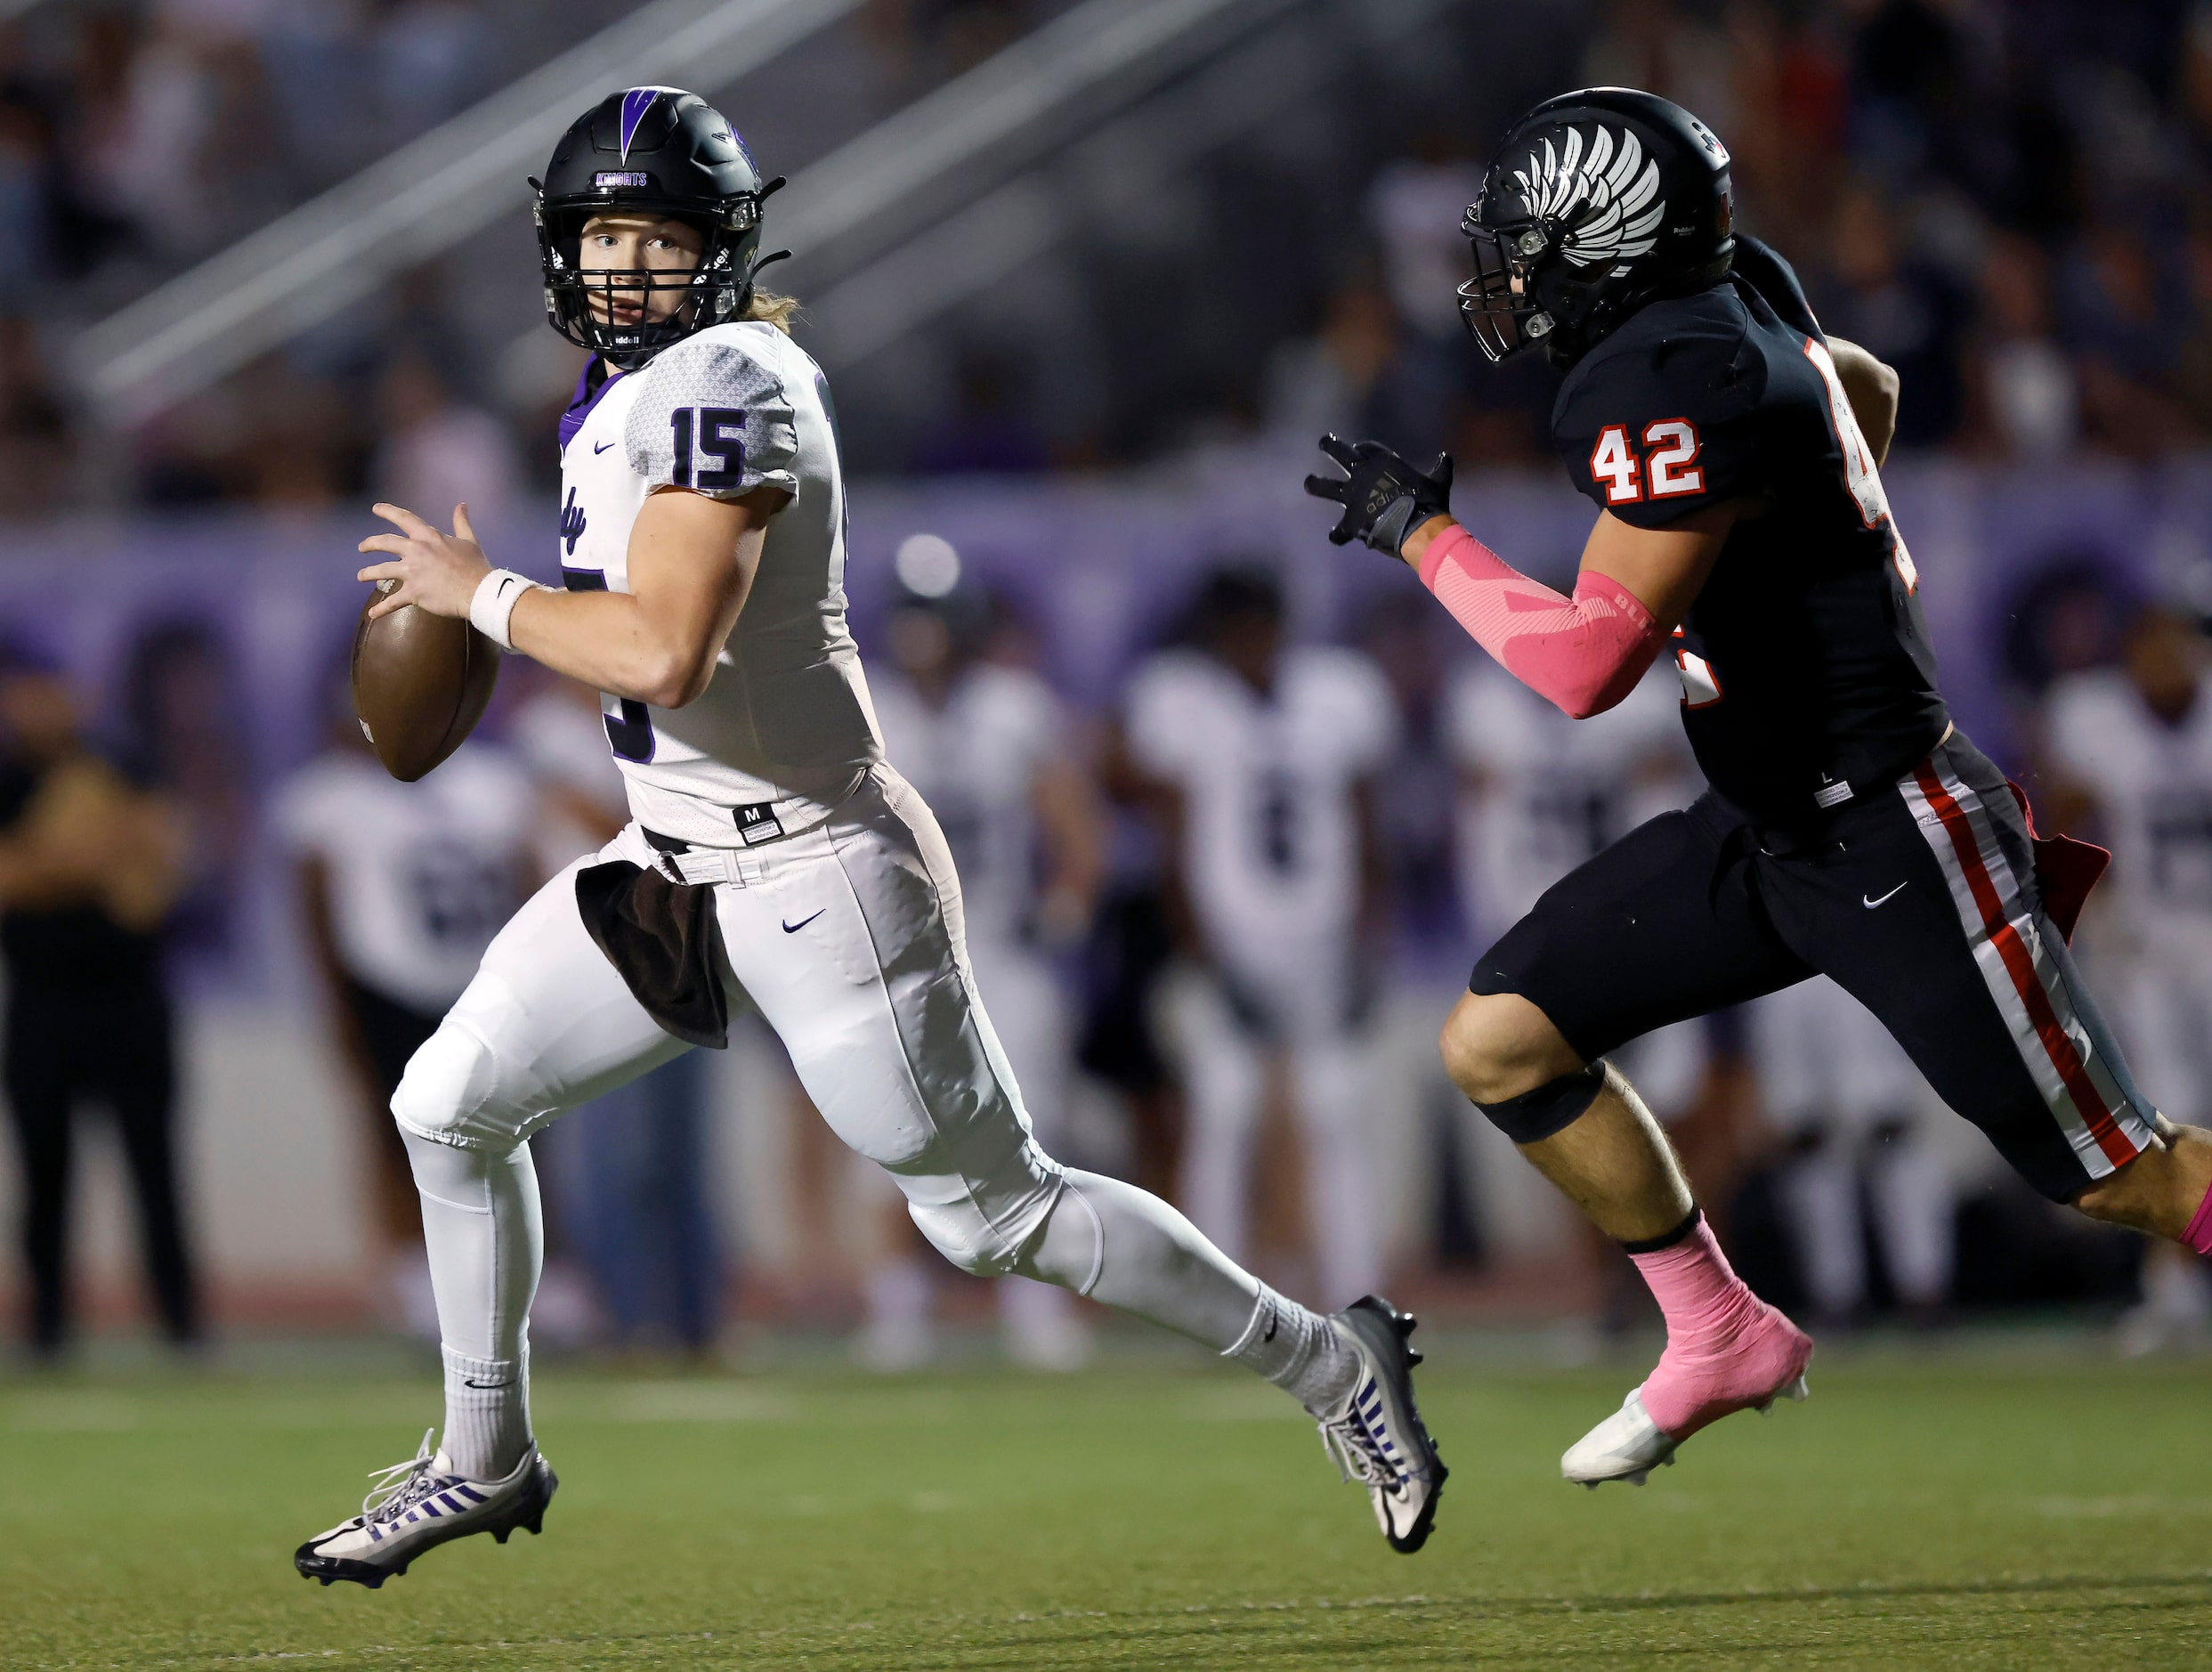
(421, 682)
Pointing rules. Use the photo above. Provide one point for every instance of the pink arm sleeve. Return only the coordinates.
(1584, 653)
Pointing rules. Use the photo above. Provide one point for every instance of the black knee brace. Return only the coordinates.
(1552, 1107)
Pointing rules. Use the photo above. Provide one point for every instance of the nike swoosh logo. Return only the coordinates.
(468, 1382)
(601, 447)
(1870, 903)
(793, 929)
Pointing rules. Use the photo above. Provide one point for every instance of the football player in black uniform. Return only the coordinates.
(1849, 828)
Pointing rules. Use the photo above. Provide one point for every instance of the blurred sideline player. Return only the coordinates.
(775, 860)
(93, 862)
(2132, 747)
(401, 888)
(1846, 1100)
(1263, 755)
(1850, 829)
(997, 757)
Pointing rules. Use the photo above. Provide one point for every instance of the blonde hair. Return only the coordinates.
(775, 310)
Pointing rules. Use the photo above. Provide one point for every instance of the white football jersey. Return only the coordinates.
(784, 729)
(2153, 783)
(976, 762)
(421, 875)
(1271, 840)
(1550, 792)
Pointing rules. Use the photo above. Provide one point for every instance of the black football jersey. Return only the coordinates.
(1807, 676)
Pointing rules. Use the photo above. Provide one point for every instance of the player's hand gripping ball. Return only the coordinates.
(422, 675)
(1383, 495)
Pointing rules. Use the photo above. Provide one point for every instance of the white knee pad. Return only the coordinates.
(984, 1225)
(447, 1094)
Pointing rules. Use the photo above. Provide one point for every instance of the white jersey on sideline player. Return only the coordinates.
(2151, 783)
(977, 761)
(420, 875)
(1271, 866)
(1545, 793)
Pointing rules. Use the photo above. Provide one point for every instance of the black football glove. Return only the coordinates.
(1383, 495)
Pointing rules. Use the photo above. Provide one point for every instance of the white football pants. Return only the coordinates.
(1831, 1077)
(1224, 1059)
(2164, 1015)
(848, 939)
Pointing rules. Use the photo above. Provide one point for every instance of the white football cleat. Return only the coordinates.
(1377, 1437)
(1628, 1445)
(420, 1504)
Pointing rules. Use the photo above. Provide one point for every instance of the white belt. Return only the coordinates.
(712, 865)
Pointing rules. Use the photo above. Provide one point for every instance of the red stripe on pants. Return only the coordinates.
(2020, 965)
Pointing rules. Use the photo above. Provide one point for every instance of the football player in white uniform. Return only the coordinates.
(997, 758)
(2133, 745)
(1264, 754)
(773, 859)
(1545, 794)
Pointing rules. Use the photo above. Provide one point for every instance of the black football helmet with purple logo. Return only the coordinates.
(1595, 203)
(660, 151)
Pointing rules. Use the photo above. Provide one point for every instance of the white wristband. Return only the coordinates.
(497, 595)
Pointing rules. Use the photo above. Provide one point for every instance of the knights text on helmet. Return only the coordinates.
(1602, 201)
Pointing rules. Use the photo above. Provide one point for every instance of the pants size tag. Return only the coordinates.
(758, 824)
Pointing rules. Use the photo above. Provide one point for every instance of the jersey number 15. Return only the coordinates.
(716, 433)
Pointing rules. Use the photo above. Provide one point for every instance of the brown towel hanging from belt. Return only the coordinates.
(665, 940)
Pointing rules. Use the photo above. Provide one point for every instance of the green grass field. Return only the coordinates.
(1972, 1509)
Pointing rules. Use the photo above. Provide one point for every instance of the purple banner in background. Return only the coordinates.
(1098, 568)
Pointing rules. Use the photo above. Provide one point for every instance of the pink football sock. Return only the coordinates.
(1726, 1349)
(2199, 1235)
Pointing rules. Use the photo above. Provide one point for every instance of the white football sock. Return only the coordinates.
(487, 1414)
(485, 1234)
(1298, 1350)
(1128, 1248)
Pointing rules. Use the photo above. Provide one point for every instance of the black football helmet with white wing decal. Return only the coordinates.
(1595, 203)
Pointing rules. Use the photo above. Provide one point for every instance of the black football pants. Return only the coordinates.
(116, 1049)
(1919, 899)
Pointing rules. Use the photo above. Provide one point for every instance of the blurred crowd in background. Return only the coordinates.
(2010, 202)
(1224, 895)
